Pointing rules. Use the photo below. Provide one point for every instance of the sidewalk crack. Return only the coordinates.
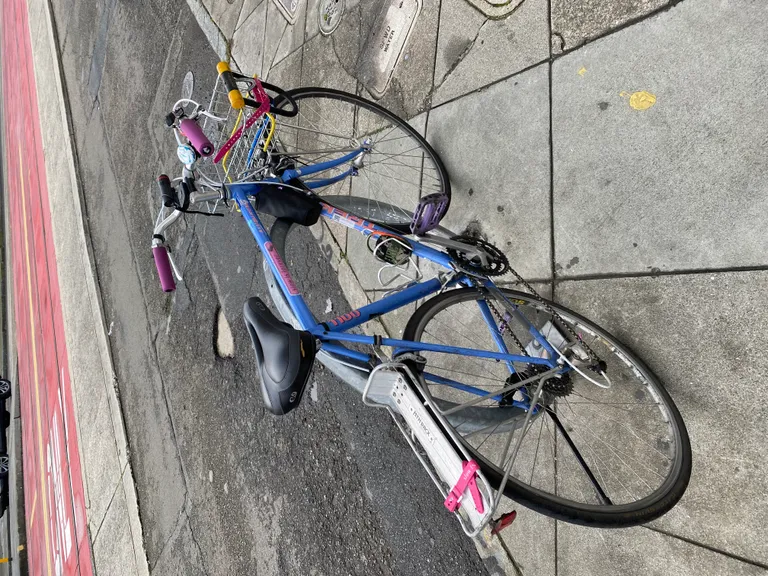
(106, 510)
(173, 533)
(463, 55)
(353, 72)
(707, 547)
(197, 544)
(265, 71)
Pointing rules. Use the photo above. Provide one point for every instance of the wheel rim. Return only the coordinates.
(4, 465)
(399, 169)
(545, 468)
(5, 387)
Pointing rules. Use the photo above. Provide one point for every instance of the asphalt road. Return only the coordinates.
(224, 487)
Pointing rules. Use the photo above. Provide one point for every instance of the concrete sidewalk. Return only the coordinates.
(649, 219)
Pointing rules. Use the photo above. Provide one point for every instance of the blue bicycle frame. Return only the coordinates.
(333, 332)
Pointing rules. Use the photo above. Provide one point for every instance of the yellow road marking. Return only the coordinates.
(641, 100)
(32, 515)
(46, 518)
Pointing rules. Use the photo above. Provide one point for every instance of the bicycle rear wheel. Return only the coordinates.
(602, 457)
(399, 168)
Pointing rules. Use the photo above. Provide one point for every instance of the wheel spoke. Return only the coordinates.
(580, 458)
(397, 168)
(606, 447)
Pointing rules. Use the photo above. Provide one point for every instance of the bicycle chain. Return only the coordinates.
(591, 353)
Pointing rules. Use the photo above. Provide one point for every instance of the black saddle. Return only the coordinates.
(284, 356)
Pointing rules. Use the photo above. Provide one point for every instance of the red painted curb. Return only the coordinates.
(57, 535)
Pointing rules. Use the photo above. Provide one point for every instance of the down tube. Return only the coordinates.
(279, 269)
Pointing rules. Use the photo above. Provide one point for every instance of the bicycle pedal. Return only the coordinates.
(429, 211)
(393, 387)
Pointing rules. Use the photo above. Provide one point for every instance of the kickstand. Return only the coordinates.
(503, 521)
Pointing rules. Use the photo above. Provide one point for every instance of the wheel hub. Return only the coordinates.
(558, 386)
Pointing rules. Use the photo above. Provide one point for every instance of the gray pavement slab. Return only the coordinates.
(101, 466)
(293, 35)
(112, 543)
(312, 22)
(225, 13)
(182, 556)
(592, 552)
(247, 44)
(276, 27)
(576, 21)
(247, 8)
(500, 176)
(473, 51)
(321, 63)
(701, 335)
(286, 72)
(531, 541)
(680, 185)
(410, 88)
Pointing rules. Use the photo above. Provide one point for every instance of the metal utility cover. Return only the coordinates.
(289, 9)
(385, 44)
(329, 15)
(496, 9)
(188, 85)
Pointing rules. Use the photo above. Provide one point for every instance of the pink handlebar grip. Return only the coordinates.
(163, 264)
(194, 133)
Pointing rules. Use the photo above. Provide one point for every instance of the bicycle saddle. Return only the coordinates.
(284, 356)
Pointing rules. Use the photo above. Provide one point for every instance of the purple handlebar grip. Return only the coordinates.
(194, 133)
(163, 264)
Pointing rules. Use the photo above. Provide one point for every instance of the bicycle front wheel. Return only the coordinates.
(398, 168)
(607, 457)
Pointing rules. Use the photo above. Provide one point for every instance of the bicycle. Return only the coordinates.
(514, 395)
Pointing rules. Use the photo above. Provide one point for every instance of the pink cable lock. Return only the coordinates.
(264, 103)
(466, 480)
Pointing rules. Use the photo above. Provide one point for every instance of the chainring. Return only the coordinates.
(497, 263)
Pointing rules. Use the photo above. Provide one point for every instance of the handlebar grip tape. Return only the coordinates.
(164, 270)
(235, 96)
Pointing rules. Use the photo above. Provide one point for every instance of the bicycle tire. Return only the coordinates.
(604, 516)
(437, 180)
